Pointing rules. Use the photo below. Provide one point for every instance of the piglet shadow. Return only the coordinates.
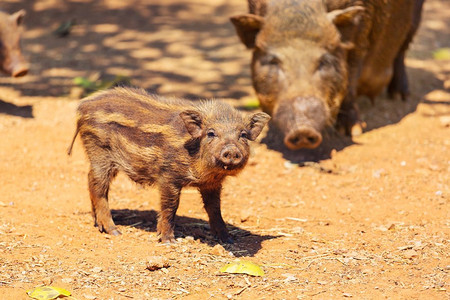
(245, 243)
(332, 141)
(25, 111)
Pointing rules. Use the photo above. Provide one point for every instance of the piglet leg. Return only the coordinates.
(170, 199)
(98, 190)
(211, 201)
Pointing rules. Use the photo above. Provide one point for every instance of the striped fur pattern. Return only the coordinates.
(171, 143)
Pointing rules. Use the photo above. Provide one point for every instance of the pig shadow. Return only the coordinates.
(131, 53)
(25, 111)
(245, 243)
(332, 141)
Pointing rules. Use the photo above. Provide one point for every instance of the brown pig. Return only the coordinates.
(11, 60)
(312, 58)
(168, 142)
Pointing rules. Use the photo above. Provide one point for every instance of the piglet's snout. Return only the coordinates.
(230, 156)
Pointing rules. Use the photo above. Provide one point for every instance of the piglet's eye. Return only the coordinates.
(244, 135)
(210, 133)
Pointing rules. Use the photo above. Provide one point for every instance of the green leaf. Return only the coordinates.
(442, 54)
(47, 292)
(84, 83)
(252, 103)
(243, 267)
(92, 85)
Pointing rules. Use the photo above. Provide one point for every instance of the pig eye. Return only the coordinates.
(271, 60)
(210, 133)
(325, 62)
(243, 134)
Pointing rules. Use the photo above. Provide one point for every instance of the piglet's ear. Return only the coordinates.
(18, 17)
(193, 121)
(256, 123)
(247, 27)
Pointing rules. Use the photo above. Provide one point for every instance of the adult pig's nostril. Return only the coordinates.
(294, 139)
(312, 139)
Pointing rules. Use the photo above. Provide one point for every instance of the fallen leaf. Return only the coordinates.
(243, 267)
(410, 254)
(90, 85)
(348, 295)
(65, 28)
(96, 270)
(47, 292)
(442, 54)
(289, 277)
(251, 103)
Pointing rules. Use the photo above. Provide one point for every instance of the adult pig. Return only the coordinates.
(170, 143)
(312, 58)
(11, 60)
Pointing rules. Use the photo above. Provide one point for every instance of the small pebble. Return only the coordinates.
(157, 262)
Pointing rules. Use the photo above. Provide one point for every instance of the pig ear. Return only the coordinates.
(18, 16)
(247, 27)
(256, 123)
(346, 16)
(193, 122)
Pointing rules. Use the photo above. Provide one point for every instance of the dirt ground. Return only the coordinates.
(366, 218)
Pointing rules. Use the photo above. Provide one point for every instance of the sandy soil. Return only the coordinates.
(368, 220)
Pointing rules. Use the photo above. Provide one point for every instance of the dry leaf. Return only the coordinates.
(348, 295)
(243, 267)
(47, 292)
(410, 254)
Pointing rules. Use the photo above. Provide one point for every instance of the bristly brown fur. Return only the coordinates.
(168, 142)
(327, 51)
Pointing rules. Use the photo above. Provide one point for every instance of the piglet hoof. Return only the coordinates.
(167, 239)
(112, 230)
(115, 232)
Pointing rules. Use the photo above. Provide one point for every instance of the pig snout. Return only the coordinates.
(15, 67)
(303, 137)
(230, 157)
(301, 119)
(18, 67)
(19, 70)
